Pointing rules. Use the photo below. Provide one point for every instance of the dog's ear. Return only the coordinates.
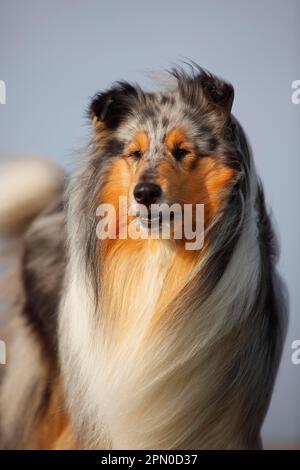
(203, 88)
(217, 91)
(109, 108)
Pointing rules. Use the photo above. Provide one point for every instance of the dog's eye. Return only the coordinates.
(137, 154)
(179, 153)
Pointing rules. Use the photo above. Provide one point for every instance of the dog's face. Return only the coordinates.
(172, 147)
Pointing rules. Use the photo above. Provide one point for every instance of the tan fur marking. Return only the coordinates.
(54, 430)
(207, 183)
(177, 137)
(140, 142)
(102, 131)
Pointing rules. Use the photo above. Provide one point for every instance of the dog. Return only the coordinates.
(121, 343)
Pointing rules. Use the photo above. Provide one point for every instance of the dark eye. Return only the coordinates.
(179, 153)
(137, 154)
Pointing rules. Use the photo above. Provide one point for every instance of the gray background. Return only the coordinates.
(55, 54)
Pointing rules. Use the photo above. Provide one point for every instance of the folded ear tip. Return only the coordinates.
(219, 92)
(109, 107)
(216, 91)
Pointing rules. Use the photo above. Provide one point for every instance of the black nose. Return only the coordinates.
(147, 193)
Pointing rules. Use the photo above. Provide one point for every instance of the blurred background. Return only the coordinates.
(55, 54)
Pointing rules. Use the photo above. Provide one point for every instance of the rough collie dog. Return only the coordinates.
(124, 343)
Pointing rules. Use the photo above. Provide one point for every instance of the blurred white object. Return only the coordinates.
(27, 186)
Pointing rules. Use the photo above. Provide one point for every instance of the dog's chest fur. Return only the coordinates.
(116, 349)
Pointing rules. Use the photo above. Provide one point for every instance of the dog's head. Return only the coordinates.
(173, 147)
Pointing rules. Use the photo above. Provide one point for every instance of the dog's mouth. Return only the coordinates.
(155, 220)
(151, 220)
